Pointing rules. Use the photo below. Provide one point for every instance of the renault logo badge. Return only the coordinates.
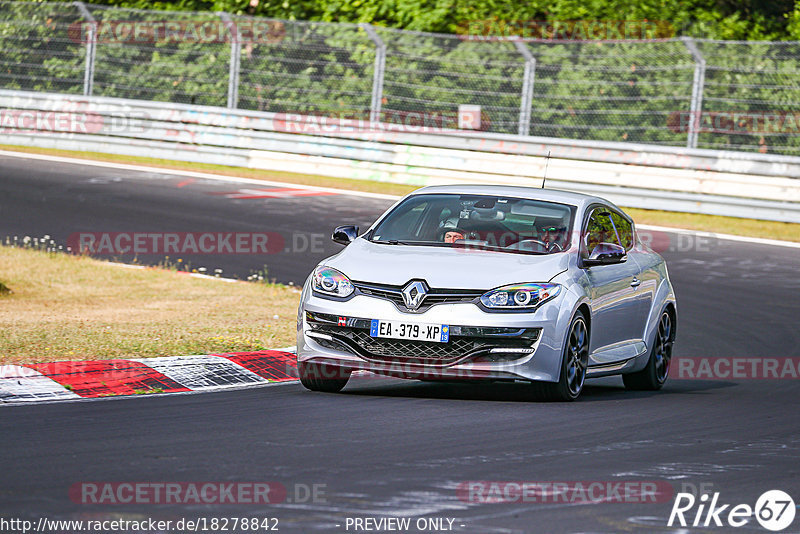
(414, 293)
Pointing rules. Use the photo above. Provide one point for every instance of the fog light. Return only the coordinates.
(318, 335)
(511, 350)
(503, 354)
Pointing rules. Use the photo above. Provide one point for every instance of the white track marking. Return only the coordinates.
(113, 398)
(23, 384)
(729, 237)
(202, 372)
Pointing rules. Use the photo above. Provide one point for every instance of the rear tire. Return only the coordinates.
(655, 373)
(321, 377)
(574, 361)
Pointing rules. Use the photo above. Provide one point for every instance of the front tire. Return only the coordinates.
(655, 373)
(321, 377)
(574, 361)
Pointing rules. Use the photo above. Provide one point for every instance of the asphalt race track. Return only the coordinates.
(388, 448)
(59, 200)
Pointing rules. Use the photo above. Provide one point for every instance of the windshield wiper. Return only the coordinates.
(397, 242)
(413, 243)
(493, 248)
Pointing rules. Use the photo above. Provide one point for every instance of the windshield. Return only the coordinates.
(487, 222)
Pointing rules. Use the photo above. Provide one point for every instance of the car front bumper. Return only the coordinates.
(530, 344)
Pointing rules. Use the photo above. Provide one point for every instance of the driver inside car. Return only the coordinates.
(449, 232)
(452, 235)
(553, 236)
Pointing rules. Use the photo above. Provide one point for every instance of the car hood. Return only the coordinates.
(452, 268)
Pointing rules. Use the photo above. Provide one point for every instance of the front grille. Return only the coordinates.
(434, 296)
(410, 351)
(380, 293)
(387, 350)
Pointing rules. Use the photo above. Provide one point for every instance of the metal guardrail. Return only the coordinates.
(699, 181)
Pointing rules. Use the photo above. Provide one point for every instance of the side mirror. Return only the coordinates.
(606, 254)
(344, 235)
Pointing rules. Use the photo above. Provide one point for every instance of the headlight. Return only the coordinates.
(519, 297)
(331, 282)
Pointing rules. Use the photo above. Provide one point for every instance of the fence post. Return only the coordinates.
(696, 105)
(377, 76)
(526, 98)
(236, 55)
(91, 45)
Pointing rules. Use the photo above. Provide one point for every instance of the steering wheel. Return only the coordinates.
(552, 244)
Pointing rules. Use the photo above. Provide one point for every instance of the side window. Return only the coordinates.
(596, 230)
(625, 230)
(604, 226)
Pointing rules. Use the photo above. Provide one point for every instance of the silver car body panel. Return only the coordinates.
(622, 315)
(453, 268)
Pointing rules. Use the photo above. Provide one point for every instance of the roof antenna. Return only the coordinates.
(546, 164)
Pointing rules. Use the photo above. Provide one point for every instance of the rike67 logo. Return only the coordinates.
(774, 510)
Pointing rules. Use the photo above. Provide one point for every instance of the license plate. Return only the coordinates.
(437, 333)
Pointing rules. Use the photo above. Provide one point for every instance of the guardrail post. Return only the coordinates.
(91, 46)
(526, 98)
(696, 105)
(236, 56)
(377, 76)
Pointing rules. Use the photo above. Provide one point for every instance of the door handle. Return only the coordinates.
(635, 282)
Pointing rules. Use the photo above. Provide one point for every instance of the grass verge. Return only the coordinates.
(691, 221)
(66, 307)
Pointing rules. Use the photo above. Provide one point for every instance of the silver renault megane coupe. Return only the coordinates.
(490, 283)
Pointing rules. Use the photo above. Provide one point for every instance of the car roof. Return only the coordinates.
(553, 195)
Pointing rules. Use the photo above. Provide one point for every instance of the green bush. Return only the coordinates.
(603, 90)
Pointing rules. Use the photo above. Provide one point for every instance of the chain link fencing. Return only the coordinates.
(616, 91)
(751, 96)
(36, 52)
(305, 67)
(187, 69)
(675, 92)
(432, 74)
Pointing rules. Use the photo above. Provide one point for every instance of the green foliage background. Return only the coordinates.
(615, 91)
(713, 19)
